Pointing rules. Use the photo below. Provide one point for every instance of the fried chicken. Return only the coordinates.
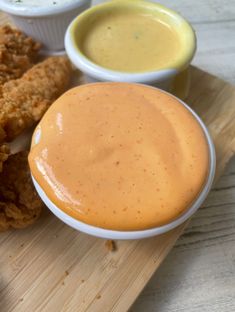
(2, 135)
(110, 245)
(25, 100)
(4, 148)
(18, 53)
(4, 152)
(20, 206)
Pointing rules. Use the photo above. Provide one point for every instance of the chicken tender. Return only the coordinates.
(4, 152)
(18, 53)
(25, 100)
(4, 148)
(20, 206)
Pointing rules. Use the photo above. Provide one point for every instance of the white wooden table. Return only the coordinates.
(199, 273)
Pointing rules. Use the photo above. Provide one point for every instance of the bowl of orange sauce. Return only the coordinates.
(121, 160)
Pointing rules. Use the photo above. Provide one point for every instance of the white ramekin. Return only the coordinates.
(160, 78)
(45, 24)
(110, 234)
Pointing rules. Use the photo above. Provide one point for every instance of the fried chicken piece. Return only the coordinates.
(2, 135)
(4, 152)
(20, 206)
(18, 52)
(4, 148)
(25, 100)
(110, 245)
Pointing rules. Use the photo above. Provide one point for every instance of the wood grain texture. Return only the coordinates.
(198, 274)
(51, 267)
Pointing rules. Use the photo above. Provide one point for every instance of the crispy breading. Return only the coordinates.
(2, 135)
(18, 53)
(110, 245)
(4, 148)
(20, 206)
(4, 152)
(25, 100)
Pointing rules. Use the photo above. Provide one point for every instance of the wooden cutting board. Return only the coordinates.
(51, 267)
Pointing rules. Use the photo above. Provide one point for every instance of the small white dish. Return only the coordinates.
(111, 234)
(46, 24)
(159, 78)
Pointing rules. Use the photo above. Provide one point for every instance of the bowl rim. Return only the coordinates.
(31, 12)
(105, 74)
(140, 234)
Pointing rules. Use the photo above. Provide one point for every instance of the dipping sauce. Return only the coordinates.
(38, 3)
(130, 41)
(120, 156)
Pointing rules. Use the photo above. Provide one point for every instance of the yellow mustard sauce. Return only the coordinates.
(130, 42)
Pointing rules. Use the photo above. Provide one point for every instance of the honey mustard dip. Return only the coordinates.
(130, 41)
(120, 156)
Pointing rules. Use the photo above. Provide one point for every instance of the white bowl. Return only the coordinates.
(160, 78)
(46, 24)
(111, 234)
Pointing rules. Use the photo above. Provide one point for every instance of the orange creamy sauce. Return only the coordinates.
(120, 156)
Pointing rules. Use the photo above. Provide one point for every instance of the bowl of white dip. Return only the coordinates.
(44, 20)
